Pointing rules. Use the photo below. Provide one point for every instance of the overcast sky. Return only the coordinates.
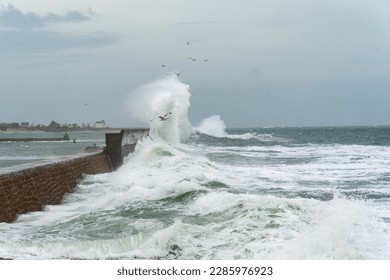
(270, 62)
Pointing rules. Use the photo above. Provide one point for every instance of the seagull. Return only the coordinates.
(163, 118)
(188, 43)
(163, 65)
(176, 73)
(206, 59)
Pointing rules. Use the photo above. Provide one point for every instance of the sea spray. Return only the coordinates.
(169, 98)
(166, 96)
(213, 126)
(256, 194)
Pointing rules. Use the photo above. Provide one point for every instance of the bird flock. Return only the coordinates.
(189, 58)
(166, 116)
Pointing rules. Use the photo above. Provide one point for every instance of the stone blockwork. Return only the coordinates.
(30, 189)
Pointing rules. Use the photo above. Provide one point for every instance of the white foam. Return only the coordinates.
(237, 220)
(213, 126)
(164, 96)
(337, 229)
(250, 202)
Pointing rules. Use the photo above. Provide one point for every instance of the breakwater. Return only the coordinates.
(31, 189)
(119, 145)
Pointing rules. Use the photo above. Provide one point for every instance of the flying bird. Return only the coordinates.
(163, 118)
(163, 65)
(206, 59)
(188, 43)
(176, 73)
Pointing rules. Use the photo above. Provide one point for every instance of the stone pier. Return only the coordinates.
(31, 189)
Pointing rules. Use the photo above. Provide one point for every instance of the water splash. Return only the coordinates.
(163, 96)
(213, 126)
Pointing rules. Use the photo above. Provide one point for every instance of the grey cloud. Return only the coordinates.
(22, 33)
(12, 17)
(41, 41)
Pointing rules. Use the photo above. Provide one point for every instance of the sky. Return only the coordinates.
(270, 62)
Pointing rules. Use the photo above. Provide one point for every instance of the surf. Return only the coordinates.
(207, 192)
(164, 96)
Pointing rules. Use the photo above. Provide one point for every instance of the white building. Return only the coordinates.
(99, 124)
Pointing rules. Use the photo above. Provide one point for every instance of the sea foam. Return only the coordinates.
(165, 96)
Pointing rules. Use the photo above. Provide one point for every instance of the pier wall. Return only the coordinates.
(119, 145)
(31, 189)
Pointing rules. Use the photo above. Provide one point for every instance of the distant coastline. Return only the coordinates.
(8, 129)
(25, 127)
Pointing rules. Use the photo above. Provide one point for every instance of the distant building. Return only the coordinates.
(72, 125)
(24, 124)
(54, 124)
(100, 124)
(5, 126)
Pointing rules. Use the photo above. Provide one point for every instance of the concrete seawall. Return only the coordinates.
(119, 145)
(30, 189)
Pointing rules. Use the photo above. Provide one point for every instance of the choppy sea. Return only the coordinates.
(207, 192)
(265, 193)
(20, 155)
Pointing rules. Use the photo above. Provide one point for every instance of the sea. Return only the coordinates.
(208, 192)
(21, 155)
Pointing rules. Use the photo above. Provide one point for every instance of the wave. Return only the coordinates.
(164, 97)
(213, 126)
(173, 199)
(170, 98)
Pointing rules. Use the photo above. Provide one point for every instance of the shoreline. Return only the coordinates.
(54, 129)
(31, 139)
